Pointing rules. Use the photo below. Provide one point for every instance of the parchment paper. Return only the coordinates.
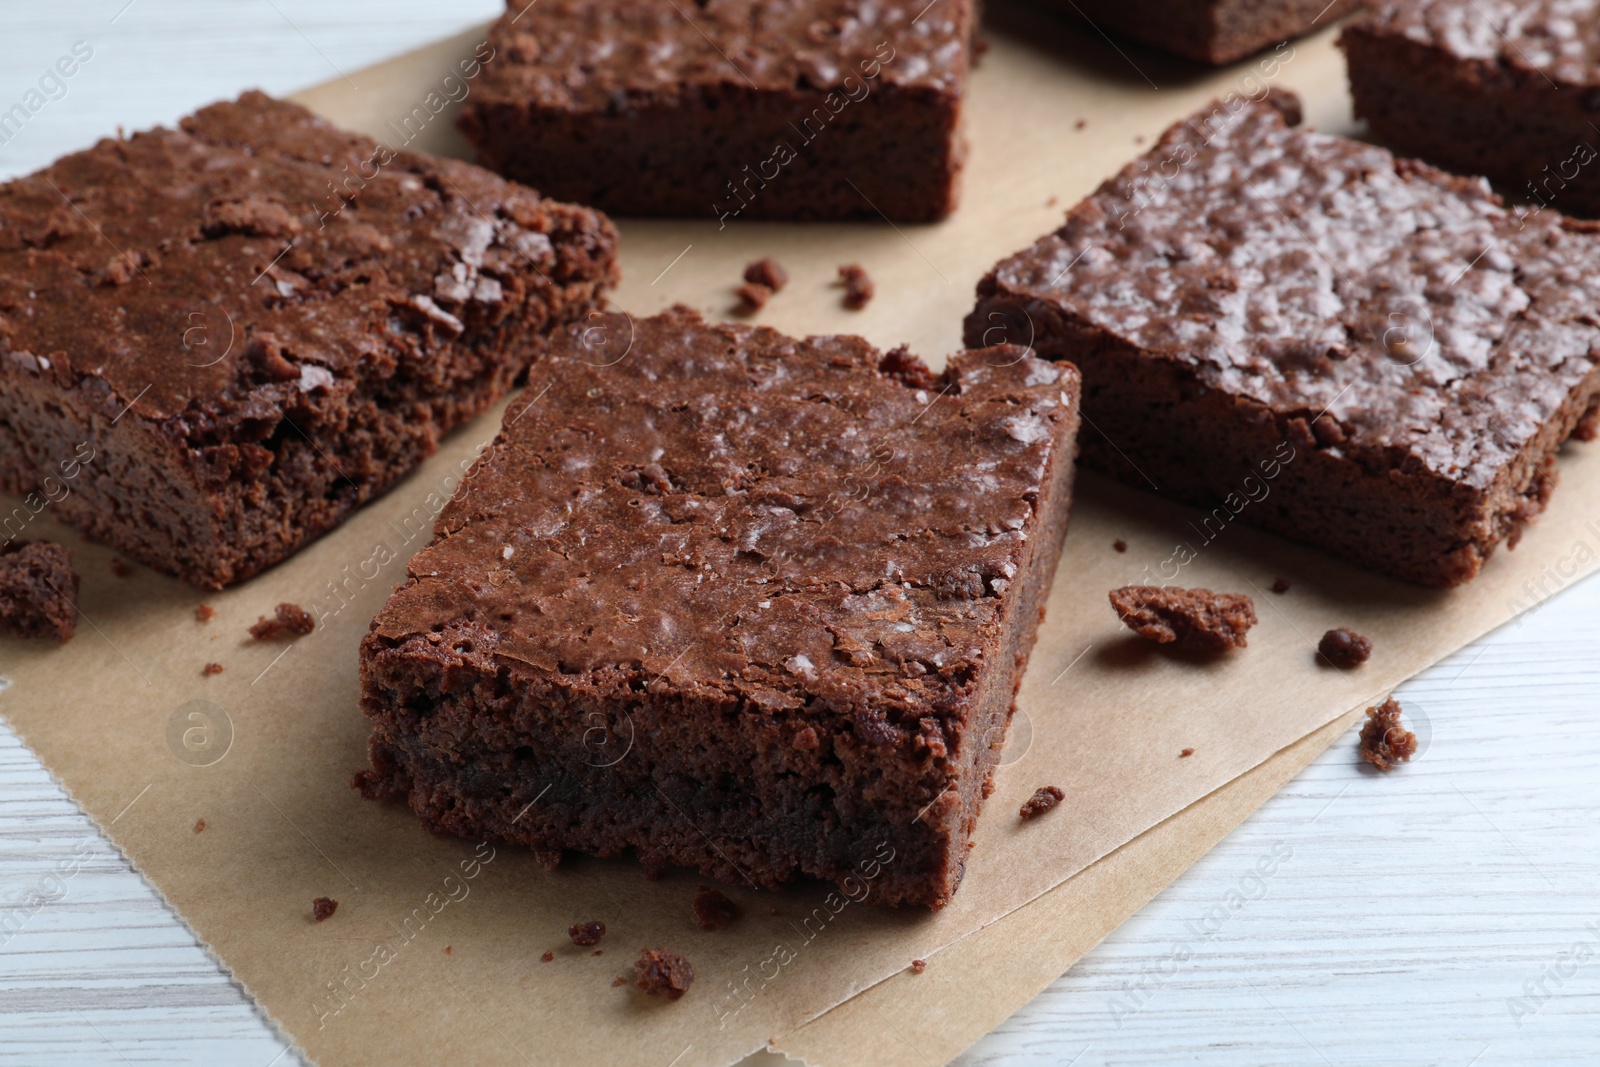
(264, 751)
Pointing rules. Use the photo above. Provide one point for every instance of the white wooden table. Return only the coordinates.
(1447, 914)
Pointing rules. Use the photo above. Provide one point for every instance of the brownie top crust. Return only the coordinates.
(747, 516)
(1557, 38)
(606, 55)
(258, 251)
(1310, 273)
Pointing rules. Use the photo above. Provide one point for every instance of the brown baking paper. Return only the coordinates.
(435, 951)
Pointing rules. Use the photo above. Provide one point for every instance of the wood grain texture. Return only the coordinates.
(1446, 912)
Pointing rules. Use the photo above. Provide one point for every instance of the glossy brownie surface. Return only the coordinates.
(601, 54)
(715, 577)
(1316, 274)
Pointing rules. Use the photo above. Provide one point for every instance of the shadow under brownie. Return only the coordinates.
(734, 601)
(1308, 334)
(256, 322)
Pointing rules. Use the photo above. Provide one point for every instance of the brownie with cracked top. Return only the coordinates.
(1308, 334)
(730, 109)
(1496, 87)
(1209, 31)
(247, 355)
(739, 602)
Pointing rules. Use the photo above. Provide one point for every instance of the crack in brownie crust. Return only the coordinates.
(262, 356)
(1487, 87)
(1353, 350)
(762, 109)
(739, 602)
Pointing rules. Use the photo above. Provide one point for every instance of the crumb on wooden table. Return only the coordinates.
(661, 971)
(1044, 798)
(1384, 742)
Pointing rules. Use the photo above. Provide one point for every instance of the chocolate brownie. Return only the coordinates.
(1193, 619)
(1307, 334)
(1384, 742)
(740, 602)
(1496, 87)
(1044, 798)
(38, 590)
(1210, 31)
(753, 109)
(229, 356)
(1344, 649)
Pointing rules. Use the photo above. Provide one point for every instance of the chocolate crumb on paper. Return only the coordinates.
(1195, 619)
(713, 910)
(1280, 585)
(121, 567)
(1384, 742)
(323, 908)
(205, 612)
(1344, 648)
(1186, 753)
(286, 617)
(587, 935)
(752, 298)
(768, 273)
(200, 826)
(210, 669)
(1044, 798)
(547, 957)
(918, 966)
(858, 287)
(1120, 545)
(661, 971)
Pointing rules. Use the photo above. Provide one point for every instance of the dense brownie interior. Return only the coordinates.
(246, 354)
(1305, 333)
(736, 601)
(728, 109)
(38, 590)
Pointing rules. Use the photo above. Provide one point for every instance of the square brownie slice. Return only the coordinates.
(1508, 90)
(755, 109)
(256, 322)
(1305, 333)
(739, 602)
(1209, 31)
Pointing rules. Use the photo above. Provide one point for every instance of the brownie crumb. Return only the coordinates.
(768, 273)
(1080, 124)
(713, 910)
(547, 957)
(120, 567)
(447, 950)
(661, 970)
(1195, 619)
(1280, 585)
(1120, 545)
(587, 935)
(323, 908)
(918, 966)
(752, 297)
(618, 982)
(38, 590)
(858, 287)
(1186, 753)
(1384, 742)
(210, 669)
(1344, 648)
(200, 826)
(1044, 798)
(205, 612)
(291, 617)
